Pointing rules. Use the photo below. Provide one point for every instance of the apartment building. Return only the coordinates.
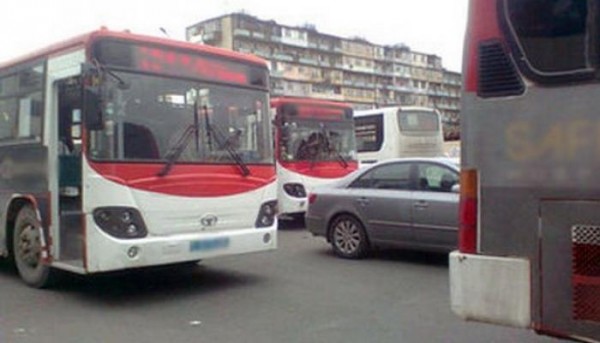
(308, 63)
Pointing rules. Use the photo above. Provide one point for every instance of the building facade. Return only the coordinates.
(307, 63)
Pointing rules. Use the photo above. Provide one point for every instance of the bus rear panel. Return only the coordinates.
(394, 132)
(530, 205)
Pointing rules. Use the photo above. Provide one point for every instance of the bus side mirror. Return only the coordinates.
(92, 109)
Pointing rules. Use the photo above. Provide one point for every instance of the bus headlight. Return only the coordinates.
(120, 222)
(295, 190)
(267, 213)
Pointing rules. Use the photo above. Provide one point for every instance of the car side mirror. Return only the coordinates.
(455, 188)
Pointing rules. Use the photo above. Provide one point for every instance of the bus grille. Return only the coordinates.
(497, 72)
(586, 272)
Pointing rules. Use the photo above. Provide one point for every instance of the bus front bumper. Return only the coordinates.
(292, 206)
(491, 289)
(105, 253)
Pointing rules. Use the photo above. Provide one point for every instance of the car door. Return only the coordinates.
(435, 206)
(383, 198)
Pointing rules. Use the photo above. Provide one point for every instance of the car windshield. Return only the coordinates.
(145, 119)
(317, 140)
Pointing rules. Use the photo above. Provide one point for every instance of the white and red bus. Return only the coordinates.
(314, 144)
(529, 238)
(120, 151)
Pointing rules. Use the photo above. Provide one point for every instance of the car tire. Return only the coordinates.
(27, 250)
(348, 237)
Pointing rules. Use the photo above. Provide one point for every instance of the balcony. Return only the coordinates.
(406, 89)
(262, 53)
(328, 96)
(367, 70)
(308, 61)
(381, 72)
(324, 47)
(403, 74)
(241, 32)
(244, 50)
(276, 73)
(210, 36)
(283, 57)
(298, 92)
(297, 42)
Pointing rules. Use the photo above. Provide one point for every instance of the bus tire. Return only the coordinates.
(27, 250)
(348, 237)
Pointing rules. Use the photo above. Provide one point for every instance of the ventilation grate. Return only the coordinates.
(497, 72)
(586, 272)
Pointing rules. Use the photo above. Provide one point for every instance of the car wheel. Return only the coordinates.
(348, 237)
(27, 250)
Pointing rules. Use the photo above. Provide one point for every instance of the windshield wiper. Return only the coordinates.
(121, 84)
(332, 148)
(215, 132)
(177, 149)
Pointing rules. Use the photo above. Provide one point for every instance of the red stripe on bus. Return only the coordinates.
(187, 180)
(480, 28)
(276, 102)
(322, 170)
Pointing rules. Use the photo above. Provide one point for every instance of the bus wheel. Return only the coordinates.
(348, 237)
(27, 249)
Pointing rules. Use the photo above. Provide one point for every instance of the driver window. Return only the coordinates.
(436, 178)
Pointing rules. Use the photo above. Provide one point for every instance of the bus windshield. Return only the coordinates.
(304, 139)
(418, 121)
(145, 116)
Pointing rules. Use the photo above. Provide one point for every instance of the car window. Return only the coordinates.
(389, 176)
(436, 178)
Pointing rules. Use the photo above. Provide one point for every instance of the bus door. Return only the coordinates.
(570, 273)
(69, 164)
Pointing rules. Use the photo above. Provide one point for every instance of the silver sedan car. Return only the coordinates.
(410, 202)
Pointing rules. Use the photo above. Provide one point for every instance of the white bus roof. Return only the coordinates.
(392, 109)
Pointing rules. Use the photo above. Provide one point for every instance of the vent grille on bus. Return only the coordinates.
(586, 272)
(497, 72)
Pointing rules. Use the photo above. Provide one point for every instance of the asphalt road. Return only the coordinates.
(299, 293)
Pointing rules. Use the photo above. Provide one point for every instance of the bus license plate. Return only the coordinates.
(209, 244)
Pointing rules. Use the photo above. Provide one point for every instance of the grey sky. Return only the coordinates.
(430, 26)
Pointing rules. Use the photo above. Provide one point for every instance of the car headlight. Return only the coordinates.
(120, 222)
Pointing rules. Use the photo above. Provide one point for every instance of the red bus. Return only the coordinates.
(121, 151)
(529, 237)
(315, 144)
